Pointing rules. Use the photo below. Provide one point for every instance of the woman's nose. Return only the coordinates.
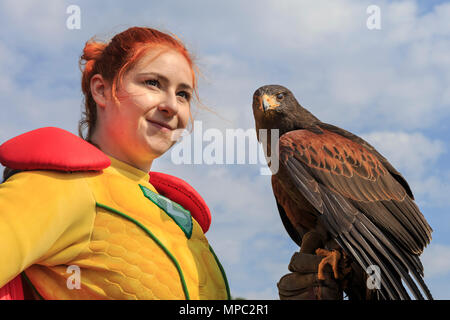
(169, 105)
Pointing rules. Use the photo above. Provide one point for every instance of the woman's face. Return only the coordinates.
(154, 101)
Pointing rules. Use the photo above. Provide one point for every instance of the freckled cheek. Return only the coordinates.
(140, 100)
(146, 101)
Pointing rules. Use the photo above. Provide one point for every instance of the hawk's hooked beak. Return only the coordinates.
(269, 102)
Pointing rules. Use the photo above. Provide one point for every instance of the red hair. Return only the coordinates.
(112, 60)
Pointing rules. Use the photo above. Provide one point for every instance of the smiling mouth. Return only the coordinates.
(160, 125)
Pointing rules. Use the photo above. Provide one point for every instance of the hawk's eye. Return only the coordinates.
(280, 96)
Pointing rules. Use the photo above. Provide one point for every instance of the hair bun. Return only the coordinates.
(93, 50)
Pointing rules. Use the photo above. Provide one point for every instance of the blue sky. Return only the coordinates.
(390, 86)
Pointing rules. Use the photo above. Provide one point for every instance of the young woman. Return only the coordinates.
(86, 219)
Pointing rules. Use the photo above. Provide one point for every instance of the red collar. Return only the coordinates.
(52, 149)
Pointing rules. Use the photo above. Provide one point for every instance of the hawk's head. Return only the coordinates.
(275, 107)
(273, 99)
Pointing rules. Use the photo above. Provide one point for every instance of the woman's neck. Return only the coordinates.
(108, 147)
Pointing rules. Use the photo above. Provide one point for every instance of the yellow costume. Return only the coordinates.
(108, 225)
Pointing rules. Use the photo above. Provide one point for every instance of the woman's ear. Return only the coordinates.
(99, 89)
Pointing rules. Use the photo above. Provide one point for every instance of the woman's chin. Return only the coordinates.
(158, 148)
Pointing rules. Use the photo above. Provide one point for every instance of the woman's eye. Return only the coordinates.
(152, 82)
(184, 95)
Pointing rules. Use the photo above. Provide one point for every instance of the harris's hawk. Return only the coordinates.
(335, 191)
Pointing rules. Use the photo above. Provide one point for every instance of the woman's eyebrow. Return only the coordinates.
(183, 86)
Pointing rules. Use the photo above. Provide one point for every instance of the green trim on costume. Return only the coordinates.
(180, 215)
(154, 238)
(23, 274)
(222, 271)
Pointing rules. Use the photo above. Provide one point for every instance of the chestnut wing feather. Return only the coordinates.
(364, 207)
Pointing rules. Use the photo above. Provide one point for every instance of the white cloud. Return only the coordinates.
(433, 190)
(360, 78)
(39, 22)
(436, 260)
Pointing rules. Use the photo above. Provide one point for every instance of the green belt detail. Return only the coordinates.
(159, 243)
(223, 273)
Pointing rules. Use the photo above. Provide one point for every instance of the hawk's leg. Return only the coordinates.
(332, 258)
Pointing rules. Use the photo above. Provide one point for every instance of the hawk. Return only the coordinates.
(337, 196)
